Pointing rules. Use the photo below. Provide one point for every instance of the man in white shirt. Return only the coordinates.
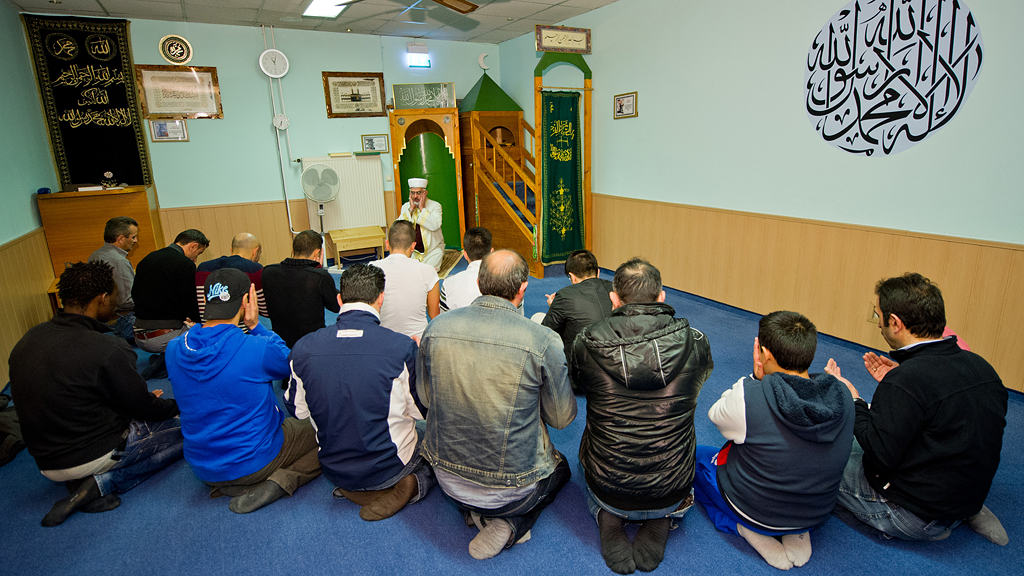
(411, 290)
(461, 289)
(425, 216)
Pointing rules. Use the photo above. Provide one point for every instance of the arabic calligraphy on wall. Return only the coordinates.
(882, 75)
(89, 103)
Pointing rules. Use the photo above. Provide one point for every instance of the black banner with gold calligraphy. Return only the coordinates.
(87, 85)
(562, 178)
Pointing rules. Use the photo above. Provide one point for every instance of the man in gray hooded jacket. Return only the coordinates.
(641, 370)
(789, 438)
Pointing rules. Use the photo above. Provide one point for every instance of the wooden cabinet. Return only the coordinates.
(73, 222)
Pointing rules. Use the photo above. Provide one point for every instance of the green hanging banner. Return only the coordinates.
(562, 176)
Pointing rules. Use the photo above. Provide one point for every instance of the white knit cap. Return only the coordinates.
(417, 182)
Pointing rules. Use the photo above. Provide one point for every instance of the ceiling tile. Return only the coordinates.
(219, 14)
(588, 4)
(358, 26)
(556, 14)
(405, 29)
(510, 9)
(379, 11)
(64, 6)
(254, 4)
(496, 36)
(154, 10)
(273, 18)
(521, 26)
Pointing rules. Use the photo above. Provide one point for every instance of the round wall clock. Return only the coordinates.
(274, 63)
(175, 49)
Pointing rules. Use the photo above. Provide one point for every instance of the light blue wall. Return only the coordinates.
(25, 160)
(235, 159)
(722, 123)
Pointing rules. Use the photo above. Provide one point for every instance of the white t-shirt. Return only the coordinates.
(406, 284)
(461, 289)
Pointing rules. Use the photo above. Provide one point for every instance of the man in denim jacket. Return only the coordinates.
(493, 381)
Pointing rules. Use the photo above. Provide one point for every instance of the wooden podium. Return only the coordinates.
(73, 222)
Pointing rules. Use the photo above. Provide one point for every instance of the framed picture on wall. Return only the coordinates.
(375, 143)
(624, 105)
(173, 92)
(354, 94)
(168, 131)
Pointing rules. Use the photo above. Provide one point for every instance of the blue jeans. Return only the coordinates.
(124, 327)
(889, 518)
(417, 466)
(674, 511)
(523, 514)
(151, 446)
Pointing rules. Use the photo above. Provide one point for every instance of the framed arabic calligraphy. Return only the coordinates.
(354, 94)
(562, 39)
(83, 68)
(172, 92)
(624, 105)
(880, 79)
(418, 96)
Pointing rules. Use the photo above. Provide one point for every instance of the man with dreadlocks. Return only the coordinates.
(86, 414)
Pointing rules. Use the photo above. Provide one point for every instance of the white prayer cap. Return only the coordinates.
(417, 182)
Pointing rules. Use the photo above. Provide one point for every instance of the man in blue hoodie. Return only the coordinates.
(356, 381)
(236, 439)
(789, 438)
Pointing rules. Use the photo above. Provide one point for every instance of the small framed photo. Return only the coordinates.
(168, 131)
(375, 143)
(624, 105)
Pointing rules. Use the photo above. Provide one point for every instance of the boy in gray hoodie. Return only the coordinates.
(789, 437)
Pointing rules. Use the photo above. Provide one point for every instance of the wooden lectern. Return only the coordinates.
(73, 222)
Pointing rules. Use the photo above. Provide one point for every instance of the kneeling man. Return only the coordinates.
(928, 444)
(356, 381)
(236, 439)
(493, 381)
(641, 370)
(789, 436)
(86, 414)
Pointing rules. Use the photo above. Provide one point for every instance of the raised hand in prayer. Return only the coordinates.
(878, 366)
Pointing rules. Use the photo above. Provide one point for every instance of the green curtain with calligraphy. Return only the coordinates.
(87, 85)
(562, 176)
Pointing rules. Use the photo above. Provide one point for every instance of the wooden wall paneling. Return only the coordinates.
(1006, 357)
(857, 259)
(988, 293)
(23, 300)
(957, 282)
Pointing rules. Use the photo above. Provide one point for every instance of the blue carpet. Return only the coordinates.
(169, 526)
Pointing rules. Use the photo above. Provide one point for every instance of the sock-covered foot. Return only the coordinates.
(102, 504)
(798, 548)
(491, 540)
(391, 500)
(87, 492)
(157, 368)
(989, 527)
(649, 544)
(616, 549)
(267, 493)
(361, 498)
(773, 552)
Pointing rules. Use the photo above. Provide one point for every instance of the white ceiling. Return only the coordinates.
(495, 21)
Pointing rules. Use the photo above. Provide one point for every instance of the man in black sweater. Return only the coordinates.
(586, 301)
(86, 414)
(927, 447)
(298, 289)
(165, 291)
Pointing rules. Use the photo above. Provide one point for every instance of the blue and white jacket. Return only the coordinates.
(356, 381)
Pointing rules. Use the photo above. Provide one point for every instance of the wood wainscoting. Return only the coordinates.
(23, 301)
(824, 270)
(221, 222)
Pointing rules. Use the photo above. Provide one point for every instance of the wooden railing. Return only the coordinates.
(498, 168)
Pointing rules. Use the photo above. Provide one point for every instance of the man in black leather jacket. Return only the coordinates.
(641, 370)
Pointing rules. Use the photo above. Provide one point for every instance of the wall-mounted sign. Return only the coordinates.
(563, 39)
(412, 96)
(175, 49)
